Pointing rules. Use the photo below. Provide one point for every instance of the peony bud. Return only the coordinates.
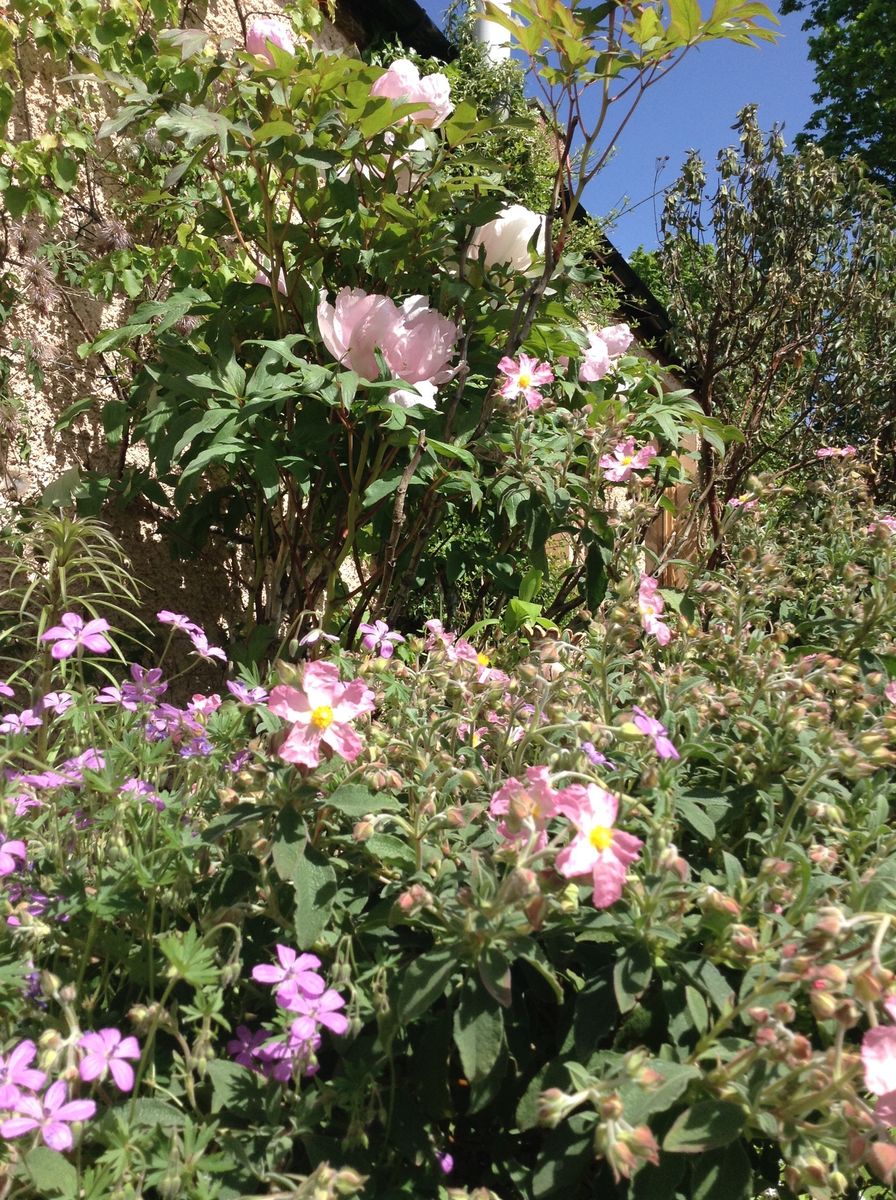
(266, 31)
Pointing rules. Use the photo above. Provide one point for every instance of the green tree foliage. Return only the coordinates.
(851, 45)
(779, 287)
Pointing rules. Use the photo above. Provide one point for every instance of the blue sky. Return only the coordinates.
(695, 107)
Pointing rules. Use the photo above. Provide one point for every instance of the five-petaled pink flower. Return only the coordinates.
(106, 1052)
(73, 632)
(524, 378)
(890, 691)
(5, 689)
(264, 32)
(379, 638)
(597, 849)
(625, 459)
(654, 729)
(20, 722)
(16, 1073)
(879, 1062)
(836, 452)
(746, 501)
(525, 806)
(51, 1114)
(322, 1009)
(431, 93)
(320, 713)
(296, 976)
(9, 853)
(651, 605)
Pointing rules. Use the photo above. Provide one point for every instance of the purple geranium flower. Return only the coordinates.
(107, 1052)
(595, 757)
(73, 633)
(652, 728)
(20, 722)
(9, 853)
(322, 1009)
(246, 694)
(139, 789)
(178, 621)
(203, 649)
(380, 639)
(5, 689)
(244, 1045)
(51, 1114)
(296, 975)
(55, 702)
(17, 1072)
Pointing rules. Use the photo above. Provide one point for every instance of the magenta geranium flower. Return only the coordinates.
(597, 849)
(177, 621)
(245, 694)
(6, 690)
(20, 722)
(16, 1072)
(10, 852)
(525, 805)
(652, 728)
(74, 632)
(55, 702)
(296, 975)
(379, 638)
(322, 1009)
(651, 605)
(320, 712)
(523, 378)
(51, 1114)
(625, 459)
(107, 1052)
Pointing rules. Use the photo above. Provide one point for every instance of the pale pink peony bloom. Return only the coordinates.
(107, 1052)
(50, 1114)
(836, 452)
(617, 338)
(74, 632)
(415, 340)
(597, 849)
(525, 805)
(651, 605)
(506, 239)
(320, 714)
(264, 280)
(746, 501)
(524, 378)
(625, 459)
(402, 83)
(263, 32)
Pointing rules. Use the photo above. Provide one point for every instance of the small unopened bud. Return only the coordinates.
(610, 1107)
(552, 1107)
(362, 830)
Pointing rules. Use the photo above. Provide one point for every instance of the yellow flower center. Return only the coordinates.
(744, 497)
(601, 837)
(483, 660)
(322, 716)
(627, 458)
(524, 379)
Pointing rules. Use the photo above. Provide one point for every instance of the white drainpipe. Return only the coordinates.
(495, 38)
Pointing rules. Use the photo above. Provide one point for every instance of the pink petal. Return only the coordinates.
(879, 1059)
(320, 681)
(122, 1073)
(92, 1067)
(289, 703)
(578, 858)
(77, 1110)
(267, 973)
(302, 746)
(609, 878)
(57, 1136)
(356, 699)
(16, 1126)
(344, 740)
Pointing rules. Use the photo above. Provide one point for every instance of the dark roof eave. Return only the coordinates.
(368, 21)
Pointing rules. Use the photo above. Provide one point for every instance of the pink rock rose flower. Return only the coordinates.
(74, 632)
(320, 713)
(625, 459)
(879, 1063)
(651, 605)
(597, 849)
(403, 83)
(524, 378)
(525, 806)
(263, 32)
(890, 691)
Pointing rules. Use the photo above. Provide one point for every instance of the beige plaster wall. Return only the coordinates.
(57, 319)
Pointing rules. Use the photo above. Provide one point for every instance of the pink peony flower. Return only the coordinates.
(320, 713)
(506, 239)
(106, 1052)
(51, 1114)
(263, 32)
(415, 340)
(617, 339)
(262, 279)
(651, 605)
(625, 459)
(524, 378)
(745, 501)
(525, 806)
(9, 853)
(74, 632)
(652, 728)
(379, 638)
(403, 84)
(605, 345)
(597, 849)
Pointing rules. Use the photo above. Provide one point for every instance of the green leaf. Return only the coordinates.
(450, 451)
(312, 877)
(696, 818)
(478, 1034)
(631, 976)
(234, 1089)
(189, 958)
(355, 800)
(392, 850)
(424, 982)
(152, 1112)
(706, 1125)
(50, 1172)
(723, 1174)
(494, 971)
